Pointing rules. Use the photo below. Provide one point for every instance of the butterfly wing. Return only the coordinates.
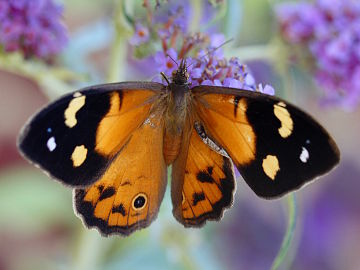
(75, 138)
(276, 147)
(128, 195)
(203, 180)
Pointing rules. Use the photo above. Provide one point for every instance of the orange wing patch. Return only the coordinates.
(225, 119)
(117, 125)
(208, 184)
(128, 195)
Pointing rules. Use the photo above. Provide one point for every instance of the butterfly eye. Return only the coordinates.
(139, 202)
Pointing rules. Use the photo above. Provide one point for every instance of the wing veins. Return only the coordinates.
(207, 106)
(200, 185)
(211, 189)
(238, 131)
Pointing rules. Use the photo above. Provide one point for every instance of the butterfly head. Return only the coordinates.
(180, 76)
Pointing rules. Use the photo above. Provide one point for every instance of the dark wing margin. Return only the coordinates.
(276, 146)
(67, 138)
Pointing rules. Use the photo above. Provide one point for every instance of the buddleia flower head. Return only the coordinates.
(33, 28)
(203, 51)
(328, 31)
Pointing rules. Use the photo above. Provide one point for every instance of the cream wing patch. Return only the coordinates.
(79, 155)
(74, 106)
(284, 116)
(270, 166)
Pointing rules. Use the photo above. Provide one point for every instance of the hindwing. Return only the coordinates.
(203, 180)
(128, 195)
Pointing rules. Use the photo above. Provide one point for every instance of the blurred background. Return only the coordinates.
(300, 49)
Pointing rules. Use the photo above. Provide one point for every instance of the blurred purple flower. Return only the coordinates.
(172, 18)
(32, 27)
(297, 20)
(140, 36)
(268, 89)
(205, 58)
(330, 30)
(164, 62)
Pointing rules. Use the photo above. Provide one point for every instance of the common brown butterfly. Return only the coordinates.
(112, 143)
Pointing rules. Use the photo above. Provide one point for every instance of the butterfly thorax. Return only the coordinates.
(178, 102)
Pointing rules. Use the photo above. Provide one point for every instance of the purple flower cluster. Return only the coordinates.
(205, 59)
(330, 30)
(32, 27)
(209, 67)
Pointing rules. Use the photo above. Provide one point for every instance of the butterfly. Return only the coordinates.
(113, 143)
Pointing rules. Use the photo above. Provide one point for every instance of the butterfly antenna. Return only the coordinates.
(212, 50)
(172, 59)
(165, 78)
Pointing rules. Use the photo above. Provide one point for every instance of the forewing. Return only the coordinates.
(128, 195)
(275, 146)
(203, 181)
(76, 137)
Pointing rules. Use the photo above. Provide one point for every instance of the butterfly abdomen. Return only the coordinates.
(175, 116)
(171, 147)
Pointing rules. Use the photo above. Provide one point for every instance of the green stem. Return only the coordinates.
(196, 7)
(91, 250)
(118, 52)
(219, 16)
(265, 52)
(51, 79)
(285, 245)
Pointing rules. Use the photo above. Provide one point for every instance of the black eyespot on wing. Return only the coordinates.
(139, 202)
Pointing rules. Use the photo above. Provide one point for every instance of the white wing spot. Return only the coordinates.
(304, 156)
(51, 144)
(148, 121)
